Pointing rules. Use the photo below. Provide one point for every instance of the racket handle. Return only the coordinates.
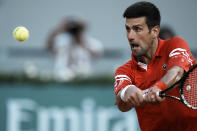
(159, 93)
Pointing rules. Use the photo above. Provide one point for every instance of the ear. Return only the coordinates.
(155, 32)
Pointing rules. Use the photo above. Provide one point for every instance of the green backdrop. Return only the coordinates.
(62, 107)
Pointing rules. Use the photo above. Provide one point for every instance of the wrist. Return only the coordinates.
(161, 85)
(122, 93)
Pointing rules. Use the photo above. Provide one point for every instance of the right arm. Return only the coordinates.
(127, 94)
(123, 106)
(133, 96)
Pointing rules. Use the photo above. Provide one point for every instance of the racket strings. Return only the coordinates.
(190, 89)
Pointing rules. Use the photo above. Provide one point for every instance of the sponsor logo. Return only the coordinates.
(164, 66)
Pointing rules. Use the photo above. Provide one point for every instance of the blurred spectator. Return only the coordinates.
(72, 49)
(166, 32)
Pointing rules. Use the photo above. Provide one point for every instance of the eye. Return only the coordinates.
(137, 29)
(128, 29)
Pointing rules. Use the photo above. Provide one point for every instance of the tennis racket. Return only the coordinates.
(187, 91)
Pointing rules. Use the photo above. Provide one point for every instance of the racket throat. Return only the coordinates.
(173, 97)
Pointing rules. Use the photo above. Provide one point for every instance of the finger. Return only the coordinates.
(151, 97)
(144, 96)
(147, 99)
(131, 100)
(155, 99)
(136, 98)
(158, 98)
(143, 99)
(139, 98)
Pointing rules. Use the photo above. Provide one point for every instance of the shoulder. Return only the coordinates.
(176, 42)
(179, 54)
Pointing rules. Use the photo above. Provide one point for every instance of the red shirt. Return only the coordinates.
(170, 115)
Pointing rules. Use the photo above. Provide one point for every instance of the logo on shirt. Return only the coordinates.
(164, 66)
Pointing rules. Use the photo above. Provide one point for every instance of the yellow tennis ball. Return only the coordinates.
(21, 33)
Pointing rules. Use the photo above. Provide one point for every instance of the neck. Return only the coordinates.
(150, 53)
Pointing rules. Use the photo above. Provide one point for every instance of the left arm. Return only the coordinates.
(180, 60)
(173, 75)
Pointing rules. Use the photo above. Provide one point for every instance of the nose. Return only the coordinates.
(131, 35)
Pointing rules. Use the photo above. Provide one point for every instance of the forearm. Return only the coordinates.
(173, 75)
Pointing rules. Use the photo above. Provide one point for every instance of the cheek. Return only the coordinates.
(143, 39)
(148, 37)
(146, 42)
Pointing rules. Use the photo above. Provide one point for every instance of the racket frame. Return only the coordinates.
(182, 82)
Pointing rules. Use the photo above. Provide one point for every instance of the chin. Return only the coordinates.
(137, 54)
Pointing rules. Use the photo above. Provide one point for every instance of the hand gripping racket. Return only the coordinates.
(187, 91)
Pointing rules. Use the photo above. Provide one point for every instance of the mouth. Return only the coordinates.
(134, 45)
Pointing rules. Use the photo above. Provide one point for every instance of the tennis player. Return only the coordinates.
(155, 65)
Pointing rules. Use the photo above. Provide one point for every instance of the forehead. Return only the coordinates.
(135, 21)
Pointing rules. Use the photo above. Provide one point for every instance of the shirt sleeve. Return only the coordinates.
(122, 79)
(179, 54)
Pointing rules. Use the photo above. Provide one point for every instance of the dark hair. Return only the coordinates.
(144, 9)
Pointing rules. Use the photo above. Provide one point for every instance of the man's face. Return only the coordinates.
(139, 36)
